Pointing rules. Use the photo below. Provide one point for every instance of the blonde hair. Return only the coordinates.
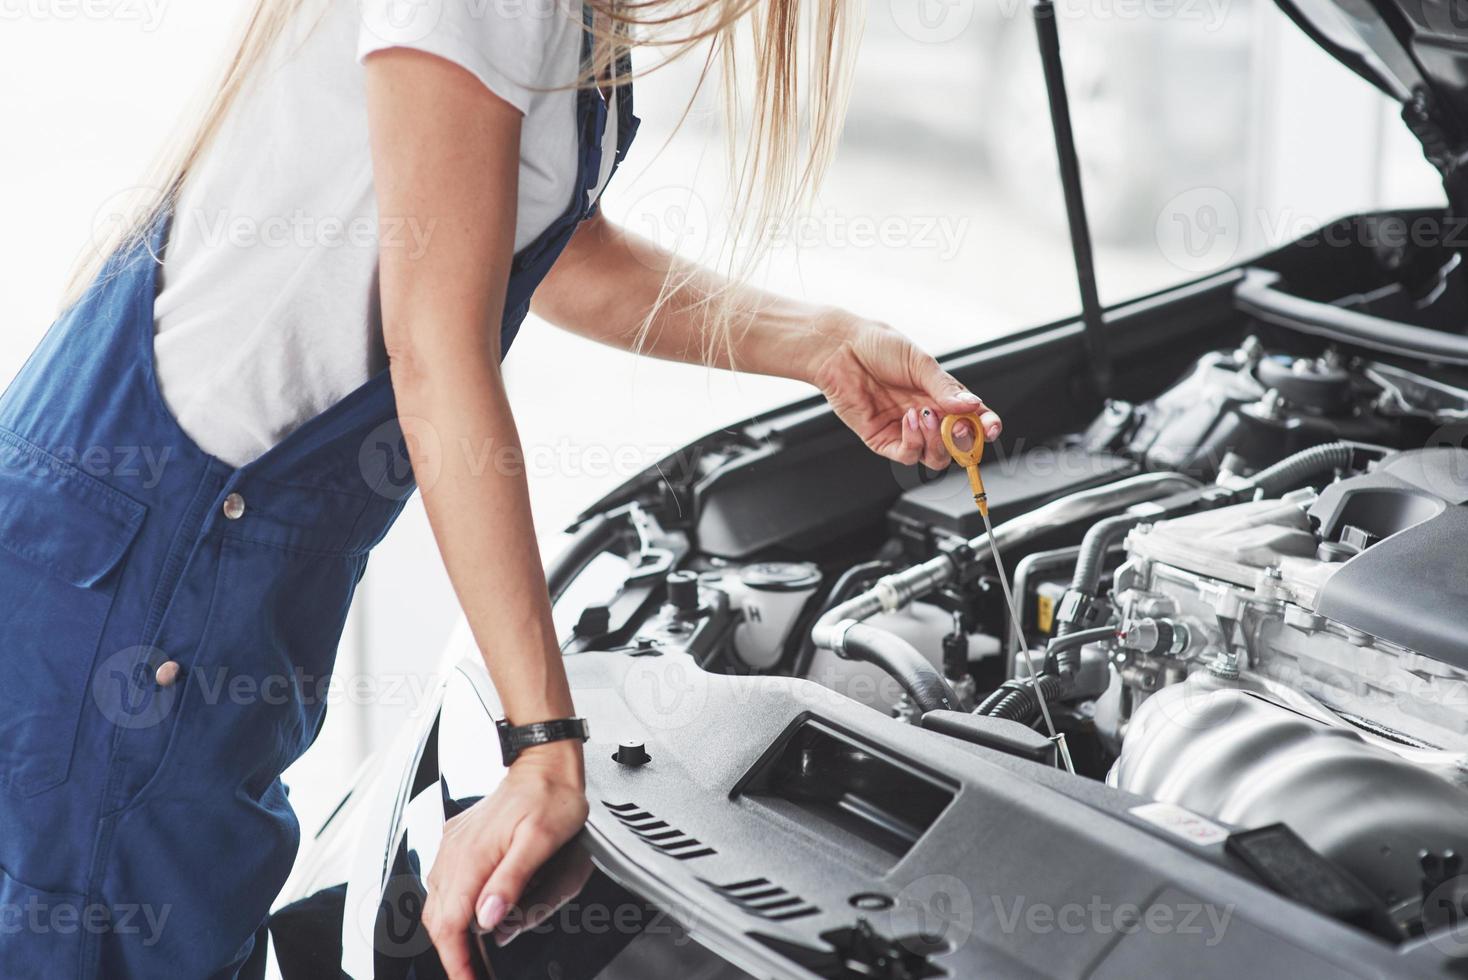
(779, 146)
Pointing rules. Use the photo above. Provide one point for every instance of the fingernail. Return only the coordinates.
(968, 397)
(930, 421)
(993, 432)
(910, 419)
(491, 911)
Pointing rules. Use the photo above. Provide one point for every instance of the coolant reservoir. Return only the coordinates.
(769, 596)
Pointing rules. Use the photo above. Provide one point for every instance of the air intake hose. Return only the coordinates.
(1293, 471)
(919, 678)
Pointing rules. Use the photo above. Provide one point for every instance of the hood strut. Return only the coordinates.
(1092, 321)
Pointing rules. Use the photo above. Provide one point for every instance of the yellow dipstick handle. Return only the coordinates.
(969, 459)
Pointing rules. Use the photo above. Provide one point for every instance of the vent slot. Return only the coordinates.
(658, 834)
(764, 898)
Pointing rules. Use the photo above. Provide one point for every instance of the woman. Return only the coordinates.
(169, 623)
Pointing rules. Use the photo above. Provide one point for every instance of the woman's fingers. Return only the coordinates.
(530, 848)
(446, 916)
(558, 882)
(910, 449)
(468, 855)
(963, 436)
(992, 424)
(954, 399)
(935, 454)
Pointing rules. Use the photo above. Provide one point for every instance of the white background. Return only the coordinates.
(1227, 109)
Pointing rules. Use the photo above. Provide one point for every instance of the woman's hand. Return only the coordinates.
(491, 850)
(445, 155)
(893, 394)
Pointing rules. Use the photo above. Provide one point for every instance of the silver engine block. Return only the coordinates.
(1233, 696)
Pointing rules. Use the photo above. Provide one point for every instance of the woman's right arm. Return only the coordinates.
(445, 154)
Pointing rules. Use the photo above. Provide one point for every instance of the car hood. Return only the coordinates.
(1416, 51)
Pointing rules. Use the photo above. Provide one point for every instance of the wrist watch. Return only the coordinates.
(515, 739)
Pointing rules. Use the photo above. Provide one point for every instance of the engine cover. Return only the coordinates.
(1409, 583)
(1249, 761)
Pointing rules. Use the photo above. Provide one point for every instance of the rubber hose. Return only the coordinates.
(1064, 653)
(806, 650)
(1016, 699)
(1092, 557)
(1293, 471)
(920, 679)
(1017, 702)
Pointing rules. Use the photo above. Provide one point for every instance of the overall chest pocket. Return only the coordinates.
(62, 534)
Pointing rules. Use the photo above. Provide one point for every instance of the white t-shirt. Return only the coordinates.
(268, 310)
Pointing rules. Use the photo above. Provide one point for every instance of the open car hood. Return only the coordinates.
(1416, 51)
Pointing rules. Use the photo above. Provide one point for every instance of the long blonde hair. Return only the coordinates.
(780, 144)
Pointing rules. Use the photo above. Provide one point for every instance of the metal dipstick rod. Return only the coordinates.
(969, 460)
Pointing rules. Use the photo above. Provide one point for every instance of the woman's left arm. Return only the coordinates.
(888, 390)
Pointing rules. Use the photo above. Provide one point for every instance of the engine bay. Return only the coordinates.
(1241, 597)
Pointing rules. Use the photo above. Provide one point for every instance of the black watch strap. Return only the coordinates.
(515, 739)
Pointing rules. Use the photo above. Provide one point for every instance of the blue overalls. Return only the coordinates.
(169, 626)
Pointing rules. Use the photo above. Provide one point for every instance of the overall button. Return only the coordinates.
(234, 507)
(167, 673)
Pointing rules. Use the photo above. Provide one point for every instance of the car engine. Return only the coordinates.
(1300, 660)
(1243, 598)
